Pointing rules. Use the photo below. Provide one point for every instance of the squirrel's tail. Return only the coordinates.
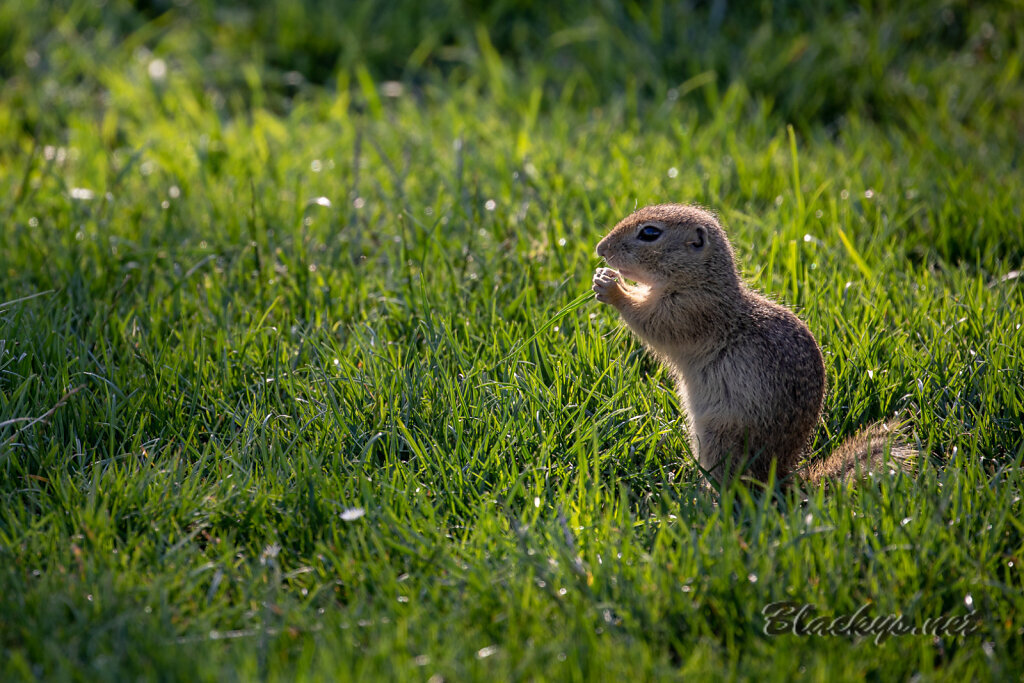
(879, 448)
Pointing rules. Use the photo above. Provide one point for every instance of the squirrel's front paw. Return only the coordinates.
(606, 285)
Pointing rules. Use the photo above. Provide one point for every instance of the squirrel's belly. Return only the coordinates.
(730, 393)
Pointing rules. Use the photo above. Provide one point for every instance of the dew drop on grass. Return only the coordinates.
(969, 601)
(352, 514)
(673, 172)
(315, 166)
(490, 205)
(358, 202)
(486, 652)
(157, 69)
(392, 89)
(82, 193)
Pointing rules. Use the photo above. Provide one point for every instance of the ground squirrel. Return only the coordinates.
(750, 374)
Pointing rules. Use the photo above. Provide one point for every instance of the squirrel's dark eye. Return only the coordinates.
(648, 233)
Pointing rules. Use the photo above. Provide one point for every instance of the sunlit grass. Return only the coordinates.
(244, 312)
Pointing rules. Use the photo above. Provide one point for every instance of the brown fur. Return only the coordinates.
(750, 374)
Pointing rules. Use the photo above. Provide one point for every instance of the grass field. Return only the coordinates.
(300, 376)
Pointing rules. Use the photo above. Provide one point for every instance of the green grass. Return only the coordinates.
(226, 366)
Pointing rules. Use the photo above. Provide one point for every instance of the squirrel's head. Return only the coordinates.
(670, 246)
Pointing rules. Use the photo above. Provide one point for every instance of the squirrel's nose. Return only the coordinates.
(601, 248)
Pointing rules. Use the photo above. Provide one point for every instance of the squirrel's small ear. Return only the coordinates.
(699, 239)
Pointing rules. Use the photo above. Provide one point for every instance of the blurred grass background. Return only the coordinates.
(295, 382)
(811, 63)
